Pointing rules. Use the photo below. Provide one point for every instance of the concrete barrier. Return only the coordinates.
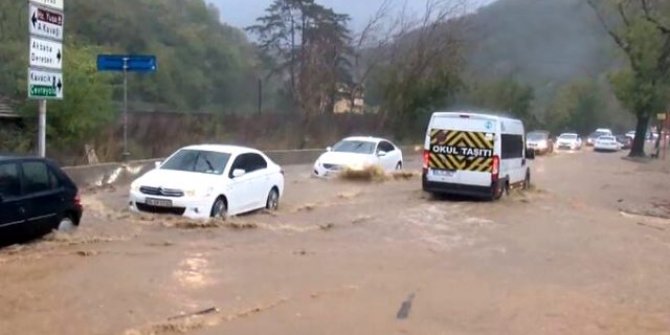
(90, 176)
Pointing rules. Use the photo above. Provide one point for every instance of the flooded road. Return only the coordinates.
(585, 252)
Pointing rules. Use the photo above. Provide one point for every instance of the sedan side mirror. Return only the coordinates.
(158, 164)
(530, 154)
(382, 153)
(329, 149)
(238, 173)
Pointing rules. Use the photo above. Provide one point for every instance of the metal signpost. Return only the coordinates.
(45, 54)
(125, 64)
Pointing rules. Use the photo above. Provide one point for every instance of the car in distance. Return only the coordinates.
(569, 141)
(205, 181)
(36, 197)
(473, 154)
(540, 142)
(607, 143)
(591, 139)
(358, 153)
(625, 141)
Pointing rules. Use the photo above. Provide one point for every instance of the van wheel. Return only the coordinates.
(499, 190)
(526, 181)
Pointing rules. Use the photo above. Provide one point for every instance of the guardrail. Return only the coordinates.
(119, 173)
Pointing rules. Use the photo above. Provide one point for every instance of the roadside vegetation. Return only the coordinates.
(607, 65)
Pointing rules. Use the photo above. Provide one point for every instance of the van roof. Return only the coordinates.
(492, 117)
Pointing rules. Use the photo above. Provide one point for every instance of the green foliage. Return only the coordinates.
(643, 87)
(505, 95)
(578, 107)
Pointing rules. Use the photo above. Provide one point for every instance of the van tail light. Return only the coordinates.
(495, 172)
(426, 159)
(77, 200)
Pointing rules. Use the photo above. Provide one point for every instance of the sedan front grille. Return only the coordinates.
(333, 167)
(160, 210)
(165, 192)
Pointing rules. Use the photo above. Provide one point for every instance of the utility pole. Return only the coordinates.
(126, 154)
(42, 129)
(260, 96)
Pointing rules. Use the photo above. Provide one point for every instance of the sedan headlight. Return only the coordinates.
(135, 187)
(196, 192)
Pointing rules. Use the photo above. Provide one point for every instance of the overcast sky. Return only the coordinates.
(243, 13)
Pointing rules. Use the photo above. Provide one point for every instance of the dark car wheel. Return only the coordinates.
(273, 200)
(219, 209)
(66, 224)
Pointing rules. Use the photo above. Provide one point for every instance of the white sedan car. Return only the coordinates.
(569, 141)
(607, 143)
(206, 181)
(358, 153)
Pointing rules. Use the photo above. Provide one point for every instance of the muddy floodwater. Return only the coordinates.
(586, 251)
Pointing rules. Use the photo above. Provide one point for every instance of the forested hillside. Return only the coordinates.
(556, 47)
(203, 64)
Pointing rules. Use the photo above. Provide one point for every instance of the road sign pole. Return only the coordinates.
(42, 129)
(126, 154)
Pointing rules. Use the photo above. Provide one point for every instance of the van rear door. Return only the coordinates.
(461, 149)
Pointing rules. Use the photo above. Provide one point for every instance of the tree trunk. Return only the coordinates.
(640, 137)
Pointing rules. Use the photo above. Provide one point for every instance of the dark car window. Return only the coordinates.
(10, 184)
(385, 146)
(37, 177)
(512, 146)
(249, 163)
(257, 162)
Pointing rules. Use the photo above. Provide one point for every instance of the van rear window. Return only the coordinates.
(512, 146)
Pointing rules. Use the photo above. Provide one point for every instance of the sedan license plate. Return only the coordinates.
(159, 202)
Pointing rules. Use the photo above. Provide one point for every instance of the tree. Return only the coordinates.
(87, 105)
(310, 45)
(418, 68)
(641, 29)
(577, 107)
(506, 95)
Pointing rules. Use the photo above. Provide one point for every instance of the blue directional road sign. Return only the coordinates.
(129, 63)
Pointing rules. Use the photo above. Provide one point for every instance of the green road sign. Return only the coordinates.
(44, 84)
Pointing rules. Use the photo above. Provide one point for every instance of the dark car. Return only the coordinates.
(36, 197)
(626, 142)
(540, 142)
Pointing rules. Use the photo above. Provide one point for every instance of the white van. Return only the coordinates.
(475, 155)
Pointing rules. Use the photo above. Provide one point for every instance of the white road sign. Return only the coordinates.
(56, 4)
(45, 84)
(46, 54)
(46, 22)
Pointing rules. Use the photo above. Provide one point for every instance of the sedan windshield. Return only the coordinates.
(197, 161)
(598, 134)
(355, 147)
(568, 137)
(537, 136)
(606, 138)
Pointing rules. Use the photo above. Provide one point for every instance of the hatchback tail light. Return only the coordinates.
(495, 172)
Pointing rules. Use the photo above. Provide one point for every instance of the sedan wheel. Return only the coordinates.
(66, 225)
(220, 209)
(273, 200)
(398, 167)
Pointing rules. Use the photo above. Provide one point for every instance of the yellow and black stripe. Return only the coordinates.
(482, 145)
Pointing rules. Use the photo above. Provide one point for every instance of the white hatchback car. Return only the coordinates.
(358, 153)
(206, 181)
